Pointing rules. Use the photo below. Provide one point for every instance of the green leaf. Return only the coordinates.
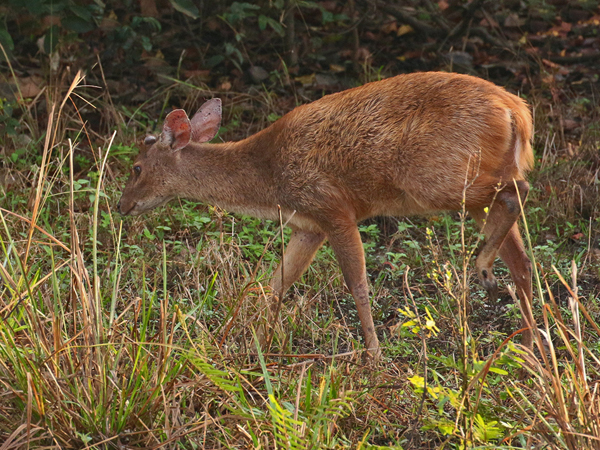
(45, 7)
(486, 431)
(327, 16)
(277, 27)
(6, 39)
(153, 22)
(82, 12)
(498, 371)
(220, 378)
(186, 7)
(51, 39)
(214, 61)
(446, 427)
(33, 6)
(232, 51)
(6, 42)
(149, 235)
(262, 22)
(77, 24)
(146, 43)
(240, 11)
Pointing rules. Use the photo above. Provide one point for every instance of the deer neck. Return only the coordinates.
(235, 176)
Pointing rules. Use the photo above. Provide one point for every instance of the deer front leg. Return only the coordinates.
(513, 254)
(347, 245)
(299, 253)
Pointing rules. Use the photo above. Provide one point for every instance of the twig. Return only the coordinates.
(492, 40)
(466, 19)
(404, 17)
(279, 294)
(437, 17)
(290, 34)
(574, 59)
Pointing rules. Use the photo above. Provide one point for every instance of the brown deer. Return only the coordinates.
(411, 144)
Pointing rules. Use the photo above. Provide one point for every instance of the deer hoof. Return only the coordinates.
(372, 355)
(489, 283)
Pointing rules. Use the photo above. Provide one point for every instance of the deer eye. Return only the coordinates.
(137, 169)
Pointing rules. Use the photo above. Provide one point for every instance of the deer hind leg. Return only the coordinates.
(502, 236)
(503, 213)
(347, 246)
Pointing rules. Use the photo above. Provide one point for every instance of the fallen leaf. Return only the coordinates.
(325, 80)
(50, 20)
(152, 61)
(512, 20)
(201, 75)
(389, 27)
(148, 8)
(548, 79)
(370, 36)
(306, 80)
(337, 68)
(551, 64)
(7, 180)
(488, 22)
(594, 20)
(110, 22)
(404, 29)
(559, 30)
(258, 74)
(363, 54)
(30, 86)
(410, 54)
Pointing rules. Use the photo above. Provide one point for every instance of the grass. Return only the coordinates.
(141, 333)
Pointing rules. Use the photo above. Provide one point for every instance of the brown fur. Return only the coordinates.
(405, 145)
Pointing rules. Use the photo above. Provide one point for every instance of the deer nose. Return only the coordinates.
(119, 207)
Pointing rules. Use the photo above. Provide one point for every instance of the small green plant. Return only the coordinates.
(7, 120)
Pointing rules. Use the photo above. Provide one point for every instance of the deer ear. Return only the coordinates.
(177, 130)
(206, 121)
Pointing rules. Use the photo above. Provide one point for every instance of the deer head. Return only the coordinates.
(155, 177)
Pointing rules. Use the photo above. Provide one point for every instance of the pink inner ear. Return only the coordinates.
(206, 122)
(177, 129)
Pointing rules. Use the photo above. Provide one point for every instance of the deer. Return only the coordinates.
(407, 145)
